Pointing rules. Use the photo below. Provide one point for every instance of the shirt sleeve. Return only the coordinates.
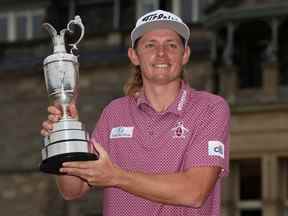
(210, 144)
(100, 133)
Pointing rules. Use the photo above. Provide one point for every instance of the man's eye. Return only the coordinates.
(149, 45)
(172, 45)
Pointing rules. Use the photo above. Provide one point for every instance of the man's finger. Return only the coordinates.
(44, 132)
(74, 171)
(53, 118)
(54, 110)
(78, 164)
(47, 125)
(73, 110)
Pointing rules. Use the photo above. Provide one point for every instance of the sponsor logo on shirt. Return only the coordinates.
(216, 148)
(179, 131)
(121, 132)
(182, 100)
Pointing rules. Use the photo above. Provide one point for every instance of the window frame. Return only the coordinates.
(197, 7)
(5, 16)
(242, 205)
(12, 25)
(285, 185)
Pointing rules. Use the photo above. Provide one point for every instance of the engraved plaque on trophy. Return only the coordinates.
(68, 141)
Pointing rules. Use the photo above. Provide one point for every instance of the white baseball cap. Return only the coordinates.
(159, 19)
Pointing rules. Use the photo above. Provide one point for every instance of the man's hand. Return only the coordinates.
(100, 172)
(55, 114)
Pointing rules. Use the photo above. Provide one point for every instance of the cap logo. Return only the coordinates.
(156, 16)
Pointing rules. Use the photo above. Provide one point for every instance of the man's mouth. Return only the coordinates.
(161, 65)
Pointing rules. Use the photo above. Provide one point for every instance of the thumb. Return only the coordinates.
(99, 148)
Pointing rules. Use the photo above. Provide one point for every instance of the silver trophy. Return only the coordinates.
(68, 141)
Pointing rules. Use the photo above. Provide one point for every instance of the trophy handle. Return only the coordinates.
(76, 21)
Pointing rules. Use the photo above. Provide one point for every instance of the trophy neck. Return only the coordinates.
(60, 57)
(65, 113)
(63, 99)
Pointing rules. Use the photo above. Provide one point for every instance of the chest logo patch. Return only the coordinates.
(179, 131)
(121, 132)
(216, 148)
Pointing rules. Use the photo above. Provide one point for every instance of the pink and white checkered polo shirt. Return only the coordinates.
(192, 132)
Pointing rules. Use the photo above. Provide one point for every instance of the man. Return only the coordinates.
(164, 147)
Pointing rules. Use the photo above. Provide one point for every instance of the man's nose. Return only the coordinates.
(161, 50)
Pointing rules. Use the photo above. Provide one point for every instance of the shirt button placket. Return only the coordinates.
(150, 129)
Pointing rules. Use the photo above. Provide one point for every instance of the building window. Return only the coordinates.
(250, 180)
(36, 22)
(98, 17)
(248, 187)
(242, 191)
(4, 28)
(284, 185)
(251, 40)
(24, 25)
(283, 54)
(21, 27)
(166, 5)
(251, 213)
(105, 16)
(145, 6)
(127, 11)
(193, 10)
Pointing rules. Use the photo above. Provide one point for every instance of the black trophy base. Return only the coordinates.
(53, 164)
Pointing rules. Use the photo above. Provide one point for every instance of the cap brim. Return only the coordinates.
(180, 28)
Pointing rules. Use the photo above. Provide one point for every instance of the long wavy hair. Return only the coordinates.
(134, 83)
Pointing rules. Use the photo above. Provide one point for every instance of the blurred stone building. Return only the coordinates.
(239, 50)
(249, 57)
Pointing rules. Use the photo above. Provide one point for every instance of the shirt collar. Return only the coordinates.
(141, 98)
(176, 107)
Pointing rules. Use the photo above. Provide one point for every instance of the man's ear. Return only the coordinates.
(186, 55)
(133, 56)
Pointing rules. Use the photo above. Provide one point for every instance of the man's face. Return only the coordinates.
(160, 55)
